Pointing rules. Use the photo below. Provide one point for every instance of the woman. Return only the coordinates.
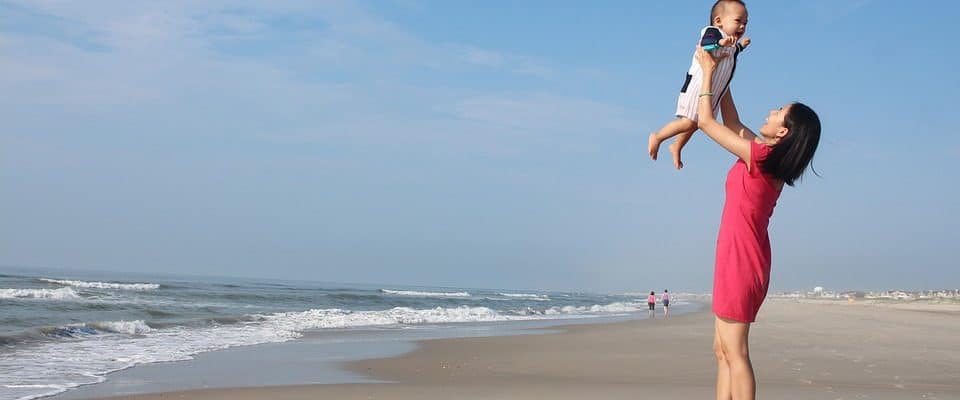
(665, 298)
(777, 156)
(651, 303)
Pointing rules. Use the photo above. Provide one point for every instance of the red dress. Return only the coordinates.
(742, 271)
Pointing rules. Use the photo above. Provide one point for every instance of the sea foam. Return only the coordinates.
(103, 285)
(65, 293)
(528, 296)
(424, 294)
(87, 352)
(618, 307)
(137, 327)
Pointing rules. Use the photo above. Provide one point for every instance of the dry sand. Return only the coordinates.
(799, 350)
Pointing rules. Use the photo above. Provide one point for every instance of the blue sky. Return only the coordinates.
(469, 144)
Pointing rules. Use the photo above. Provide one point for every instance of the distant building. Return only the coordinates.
(819, 292)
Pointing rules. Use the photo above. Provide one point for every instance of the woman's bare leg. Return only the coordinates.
(723, 370)
(733, 343)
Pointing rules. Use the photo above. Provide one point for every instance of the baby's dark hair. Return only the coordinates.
(718, 7)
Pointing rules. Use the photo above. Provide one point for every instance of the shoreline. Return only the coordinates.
(318, 357)
(800, 350)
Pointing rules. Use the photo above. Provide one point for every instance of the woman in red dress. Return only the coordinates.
(777, 156)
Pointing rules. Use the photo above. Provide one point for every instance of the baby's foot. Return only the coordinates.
(653, 146)
(675, 152)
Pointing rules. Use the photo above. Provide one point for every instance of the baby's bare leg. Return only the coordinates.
(677, 146)
(678, 126)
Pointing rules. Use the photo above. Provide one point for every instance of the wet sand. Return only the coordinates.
(800, 350)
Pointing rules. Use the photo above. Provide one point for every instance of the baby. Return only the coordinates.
(728, 22)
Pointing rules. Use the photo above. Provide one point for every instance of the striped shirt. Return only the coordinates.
(723, 74)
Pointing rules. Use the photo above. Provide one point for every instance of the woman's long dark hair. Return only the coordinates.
(791, 155)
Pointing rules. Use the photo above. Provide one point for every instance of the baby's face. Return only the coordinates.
(733, 19)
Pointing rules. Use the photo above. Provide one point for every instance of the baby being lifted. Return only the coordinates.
(728, 23)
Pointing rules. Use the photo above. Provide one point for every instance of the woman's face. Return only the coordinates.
(773, 127)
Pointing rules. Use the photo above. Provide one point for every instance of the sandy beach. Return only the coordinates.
(800, 351)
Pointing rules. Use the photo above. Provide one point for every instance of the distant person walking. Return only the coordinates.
(787, 142)
(665, 298)
(651, 303)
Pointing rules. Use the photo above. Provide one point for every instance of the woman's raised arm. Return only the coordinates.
(724, 136)
(731, 118)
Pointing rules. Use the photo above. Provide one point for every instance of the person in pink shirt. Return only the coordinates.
(651, 302)
(766, 162)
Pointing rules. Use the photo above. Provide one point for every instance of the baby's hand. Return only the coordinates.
(745, 42)
(727, 41)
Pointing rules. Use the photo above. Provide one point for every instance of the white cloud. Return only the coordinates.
(483, 57)
(511, 63)
(541, 112)
(237, 24)
(833, 10)
(337, 73)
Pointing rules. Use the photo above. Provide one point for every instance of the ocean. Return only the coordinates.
(62, 330)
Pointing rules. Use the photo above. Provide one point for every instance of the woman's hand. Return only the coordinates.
(707, 61)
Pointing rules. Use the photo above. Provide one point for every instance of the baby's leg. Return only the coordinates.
(671, 129)
(677, 146)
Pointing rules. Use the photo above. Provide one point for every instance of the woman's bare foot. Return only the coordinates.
(675, 152)
(653, 146)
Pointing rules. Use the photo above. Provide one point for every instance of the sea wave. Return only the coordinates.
(45, 369)
(137, 327)
(296, 322)
(75, 331)
(618, 307)
(424, 294)
(48, 334)
(64, 293)
(103, 285)
(527, 296)
(74, 355)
